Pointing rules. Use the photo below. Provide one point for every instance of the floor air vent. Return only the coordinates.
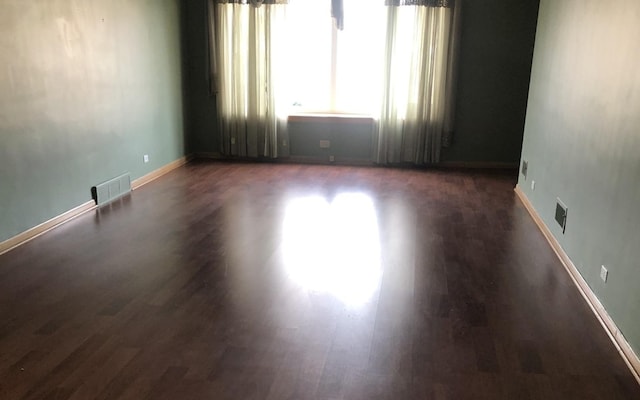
(111, 189)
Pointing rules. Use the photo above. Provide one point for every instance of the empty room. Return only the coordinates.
(319, 199)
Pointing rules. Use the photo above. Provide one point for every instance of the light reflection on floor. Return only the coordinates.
(333, 246)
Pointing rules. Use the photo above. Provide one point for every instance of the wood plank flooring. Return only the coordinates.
(260, 281)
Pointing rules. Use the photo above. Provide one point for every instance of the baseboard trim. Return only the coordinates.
(45, 227)
(314, 160)
(209, 155)
(153, 175)
(54, 222)
(358, 162)
(477, 165)
(621, 344)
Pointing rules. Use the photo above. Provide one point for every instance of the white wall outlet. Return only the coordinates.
(533, 185)
(325, 144)
(233, 140)
(145, 158)
(604, 274)
(332, 158)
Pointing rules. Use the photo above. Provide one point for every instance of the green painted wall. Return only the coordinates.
(496, 48)
(495, 63)
(203, 120)
(582, 142)
(86, 88)
(349, 140)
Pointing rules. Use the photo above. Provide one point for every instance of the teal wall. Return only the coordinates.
(496, 48)
(86, 88)
(497, 39)
(582, 142)
(203, 122)
(350, 140)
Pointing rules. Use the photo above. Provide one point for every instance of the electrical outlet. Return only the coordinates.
(533, 185)
(233, 140)
(604, 274)
(145, 158)
(332, 158)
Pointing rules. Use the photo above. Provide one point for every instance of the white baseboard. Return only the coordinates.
(36, 231)
(153, 175)
(45, 227)
(621, 344)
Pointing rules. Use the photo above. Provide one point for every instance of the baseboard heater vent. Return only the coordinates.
(561, 214)
(111, 189)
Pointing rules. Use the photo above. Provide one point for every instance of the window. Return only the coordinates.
(330, 70)
(393, 61)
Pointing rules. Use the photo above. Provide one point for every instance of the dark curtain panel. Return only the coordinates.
(427, 3)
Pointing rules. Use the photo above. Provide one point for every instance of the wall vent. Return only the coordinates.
(561, 214)
(111, 189)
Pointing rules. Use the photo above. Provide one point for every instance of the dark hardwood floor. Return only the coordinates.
(258, 281)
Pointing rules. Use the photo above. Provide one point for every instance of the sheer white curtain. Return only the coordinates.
(248, 40)
(418, 80)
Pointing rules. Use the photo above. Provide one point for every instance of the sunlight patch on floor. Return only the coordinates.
(333, 246)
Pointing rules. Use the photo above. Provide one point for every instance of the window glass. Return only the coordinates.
(308, 63)
(360, 49)
(314, 45)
